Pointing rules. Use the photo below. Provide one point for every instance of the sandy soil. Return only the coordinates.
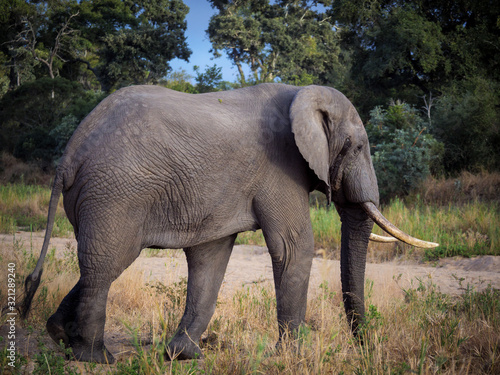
(252, 264)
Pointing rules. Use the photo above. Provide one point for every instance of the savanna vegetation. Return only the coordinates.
(410, 328)
(424, 76)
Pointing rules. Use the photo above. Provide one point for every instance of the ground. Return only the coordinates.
(252, 265)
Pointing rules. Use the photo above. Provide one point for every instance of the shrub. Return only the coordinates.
(403, 151)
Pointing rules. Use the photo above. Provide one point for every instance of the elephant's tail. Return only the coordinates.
(33, 280)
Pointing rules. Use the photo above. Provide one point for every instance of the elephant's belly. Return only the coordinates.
(175, 233)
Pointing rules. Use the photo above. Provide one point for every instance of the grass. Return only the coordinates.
(466, 228)
(25, 207)
(414, 329)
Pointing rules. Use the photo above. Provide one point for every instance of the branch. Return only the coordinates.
(62, 32)
(416, 139)
(29, 37)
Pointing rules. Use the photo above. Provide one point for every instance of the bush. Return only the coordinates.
(403, 151)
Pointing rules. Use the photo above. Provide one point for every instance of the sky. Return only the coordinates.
(198, 17)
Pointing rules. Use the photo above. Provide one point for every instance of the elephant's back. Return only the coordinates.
(149, 132)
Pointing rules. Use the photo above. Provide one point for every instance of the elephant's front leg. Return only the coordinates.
(206, 268)
(291, 246)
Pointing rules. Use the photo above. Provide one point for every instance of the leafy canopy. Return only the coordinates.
(118, 42)
(290, 41)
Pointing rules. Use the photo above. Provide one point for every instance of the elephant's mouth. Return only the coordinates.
(390, 228)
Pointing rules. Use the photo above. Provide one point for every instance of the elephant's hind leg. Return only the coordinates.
(79, 320)
(206, 268)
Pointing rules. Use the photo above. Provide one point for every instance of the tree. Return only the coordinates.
(290, 41)
(415, 47)
(133, 41)
(49, 54)
(467, 121)
(17, 66)
(119, 42)
(210, 80)
(28, 114)
(178, 80)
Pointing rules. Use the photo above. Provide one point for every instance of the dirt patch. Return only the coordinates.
(487, 263)
(252, 265)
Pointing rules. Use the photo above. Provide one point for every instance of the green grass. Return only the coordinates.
(25, 207)
(467, 229)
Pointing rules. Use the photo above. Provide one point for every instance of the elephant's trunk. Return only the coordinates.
(356, 229)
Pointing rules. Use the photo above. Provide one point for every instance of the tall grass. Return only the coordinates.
(411, 330)
(25, 207)
(467, 229)
(415, 329)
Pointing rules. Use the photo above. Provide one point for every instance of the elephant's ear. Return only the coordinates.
(308, 113)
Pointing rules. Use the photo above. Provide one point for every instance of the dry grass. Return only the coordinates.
(467, 187)
(13, 170)
(415, 330)
(26, 206)
(59, 276)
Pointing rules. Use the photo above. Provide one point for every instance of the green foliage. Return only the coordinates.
(102, 43)
(406, 49)
(467, 121)
(275, 39)
(63, 131)
(372, 51)
(210, 80)
(38, 117)
(403, 150)
(178, 81)
(146, 36)
(49, 362)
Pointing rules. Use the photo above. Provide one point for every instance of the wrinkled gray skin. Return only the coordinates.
(150, 167)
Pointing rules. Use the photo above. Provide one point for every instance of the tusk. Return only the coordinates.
(390, 228)
(376, 238)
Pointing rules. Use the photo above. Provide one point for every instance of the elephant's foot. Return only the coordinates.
(181, 348)
(67, 332)
(91, 353)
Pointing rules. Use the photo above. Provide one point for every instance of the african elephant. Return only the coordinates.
(154, 168)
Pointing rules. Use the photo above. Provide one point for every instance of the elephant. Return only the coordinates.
(154, 168)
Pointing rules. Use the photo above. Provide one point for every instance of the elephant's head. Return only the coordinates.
(332, 139)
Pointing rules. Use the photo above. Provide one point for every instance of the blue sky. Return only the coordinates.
(198, 17)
